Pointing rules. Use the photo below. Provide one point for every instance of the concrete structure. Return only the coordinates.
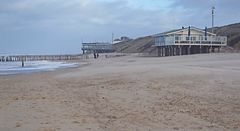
(97, 48)
(187, 41)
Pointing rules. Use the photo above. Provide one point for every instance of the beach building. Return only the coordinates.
(190, 40)
(97, 47)
(122, 39)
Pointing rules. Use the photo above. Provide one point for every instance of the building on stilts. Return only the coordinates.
(186, 41)
(97, 47)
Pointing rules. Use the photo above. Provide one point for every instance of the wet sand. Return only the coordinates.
(130, 93)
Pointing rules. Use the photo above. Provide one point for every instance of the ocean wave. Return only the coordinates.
(7, 68)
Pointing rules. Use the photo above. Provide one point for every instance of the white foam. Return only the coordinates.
(32, 66)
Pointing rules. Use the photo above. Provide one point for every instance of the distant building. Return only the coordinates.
(97, 47)
(190, 40)
(116, 41)
(122, 39)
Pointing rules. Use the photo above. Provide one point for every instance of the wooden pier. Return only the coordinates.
(39, 57)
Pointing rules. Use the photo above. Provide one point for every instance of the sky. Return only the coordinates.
(60, 26)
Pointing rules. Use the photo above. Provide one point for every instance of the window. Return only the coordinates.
(193, 38)
(176, 38)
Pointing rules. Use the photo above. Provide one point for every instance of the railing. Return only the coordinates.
(95, 46)
(191, 40)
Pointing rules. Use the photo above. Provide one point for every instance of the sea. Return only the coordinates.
(9, 68)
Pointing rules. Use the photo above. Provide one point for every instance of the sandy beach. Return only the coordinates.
(129, 93)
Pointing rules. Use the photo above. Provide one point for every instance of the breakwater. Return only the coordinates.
(39, 57)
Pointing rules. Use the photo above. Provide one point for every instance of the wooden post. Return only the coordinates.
(200, 49)
(163, 51)
(189, 50)
(180, 50)
(158, 51)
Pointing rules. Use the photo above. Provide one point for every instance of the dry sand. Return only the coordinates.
(196, 92)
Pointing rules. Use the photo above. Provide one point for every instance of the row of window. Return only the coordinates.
(191, 38)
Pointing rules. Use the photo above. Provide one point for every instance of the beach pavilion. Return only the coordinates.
(186, 41)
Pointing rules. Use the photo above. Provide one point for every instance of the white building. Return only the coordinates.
(122, 39)
(97, 47)
(189, 40)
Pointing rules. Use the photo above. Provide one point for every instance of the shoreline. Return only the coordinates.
(13, 68)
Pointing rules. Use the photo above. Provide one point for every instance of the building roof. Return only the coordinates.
(97, 43)
(175, 31)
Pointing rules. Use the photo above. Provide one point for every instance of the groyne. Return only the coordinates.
(6, 58)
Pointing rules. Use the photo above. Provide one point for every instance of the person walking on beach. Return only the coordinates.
(22, 63)
(94, 54)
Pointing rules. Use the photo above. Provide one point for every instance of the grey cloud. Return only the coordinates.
(59, 26)
(199, 11)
